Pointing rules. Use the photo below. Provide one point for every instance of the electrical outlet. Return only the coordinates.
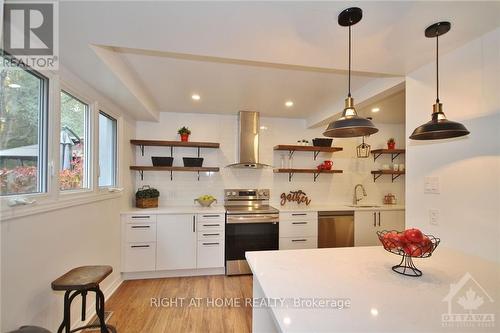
(434, 216)
(431, 185)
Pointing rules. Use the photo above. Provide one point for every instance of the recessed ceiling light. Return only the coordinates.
(14, 85)
(375, 109)
(195, 97)
(288, 104)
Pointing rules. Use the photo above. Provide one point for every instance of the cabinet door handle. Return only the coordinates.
(141, 217)
(299, 214)
(138, 246)
(140, 226)
(211, 234)
(379, 219)
(210, 243)
(374, 219)
(211, 215)
(211, 225)
(299, 222)
(299, 240)
(194, 224)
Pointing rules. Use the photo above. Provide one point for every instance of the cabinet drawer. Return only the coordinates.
(210, 253)
(140, 232)
(218, 217)
(210, 235)
(293, 243)
(139, 257)
(140, 218)
(291, 216)
(210, 225)
(298, 228)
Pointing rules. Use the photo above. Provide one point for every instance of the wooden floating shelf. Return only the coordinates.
(315, 172)
(393, 152)
(171, 169)
(316, 150)
(175, 143)
(394, 174)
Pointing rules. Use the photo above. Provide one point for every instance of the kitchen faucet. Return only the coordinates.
(355, 199)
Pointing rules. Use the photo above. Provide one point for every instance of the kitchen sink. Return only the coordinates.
(365, 206)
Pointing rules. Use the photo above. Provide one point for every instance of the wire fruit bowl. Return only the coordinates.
(394, 242)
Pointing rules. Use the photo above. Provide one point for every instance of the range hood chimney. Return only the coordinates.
(248, 132)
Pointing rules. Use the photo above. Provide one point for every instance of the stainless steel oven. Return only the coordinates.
(251, 225)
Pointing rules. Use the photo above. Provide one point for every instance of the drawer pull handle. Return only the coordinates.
(299, 240)
(140, 227)
(141, 217)
(139, 246)
(299, 222)
(211, 215)
(210, 243)
(211, 234)
(299, 214)
(211, 225)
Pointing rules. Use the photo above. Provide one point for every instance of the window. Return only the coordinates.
(107, 150)
(74, 144)
(23, 131)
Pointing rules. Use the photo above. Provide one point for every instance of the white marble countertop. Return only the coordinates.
(333, 207)
(192, 209)
(195, 209)
(381, 300)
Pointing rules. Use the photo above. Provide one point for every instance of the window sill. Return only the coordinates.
(47, 206)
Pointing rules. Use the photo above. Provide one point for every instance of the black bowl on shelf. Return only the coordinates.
(407, 251)
(322, 142)
(193, 161)
(162, 161)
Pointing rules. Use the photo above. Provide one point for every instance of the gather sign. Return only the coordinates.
(298, 196)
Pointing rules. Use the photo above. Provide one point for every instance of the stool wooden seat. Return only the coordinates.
(79, 281)
(81, 278)
(30, 329)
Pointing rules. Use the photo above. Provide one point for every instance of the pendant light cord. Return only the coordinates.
(349, 88)
(437, 68)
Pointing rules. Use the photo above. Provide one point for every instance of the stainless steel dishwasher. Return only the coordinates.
(336, 229)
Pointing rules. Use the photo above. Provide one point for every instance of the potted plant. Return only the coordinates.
(146, 197)
(391, 143)
(184, 132)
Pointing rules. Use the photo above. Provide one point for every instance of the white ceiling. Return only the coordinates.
(259, 37)
(391, 109)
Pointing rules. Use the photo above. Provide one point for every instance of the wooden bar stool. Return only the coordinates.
(79, 281)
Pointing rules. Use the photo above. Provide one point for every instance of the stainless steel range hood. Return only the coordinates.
(248, 132)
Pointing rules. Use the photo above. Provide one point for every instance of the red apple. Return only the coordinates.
(413, 250)
(414, 235)
(391, 240)
(426, 245)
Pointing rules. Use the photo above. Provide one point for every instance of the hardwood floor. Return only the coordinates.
(133, 311)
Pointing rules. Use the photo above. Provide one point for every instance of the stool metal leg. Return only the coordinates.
(66, 320)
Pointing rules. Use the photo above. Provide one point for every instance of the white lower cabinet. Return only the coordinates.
(367, 223)
(298, 230)
(166, 242)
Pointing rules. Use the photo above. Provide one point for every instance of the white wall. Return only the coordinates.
(336, 188)
(468, 168)
(36, 249)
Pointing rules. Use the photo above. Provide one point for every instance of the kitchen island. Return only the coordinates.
(354, 289)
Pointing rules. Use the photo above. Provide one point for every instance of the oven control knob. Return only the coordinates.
(228, 193)
(233, 193)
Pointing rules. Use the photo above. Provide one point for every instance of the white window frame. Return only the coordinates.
(89, 161)
(117, 150)
(54, 198)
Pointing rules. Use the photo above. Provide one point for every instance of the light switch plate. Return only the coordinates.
(431, 185)
(434, 216)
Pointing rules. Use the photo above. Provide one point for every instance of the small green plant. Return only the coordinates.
(184, 130)
(147, 192)
(391, 141)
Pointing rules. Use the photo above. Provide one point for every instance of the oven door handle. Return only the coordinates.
(251, 218)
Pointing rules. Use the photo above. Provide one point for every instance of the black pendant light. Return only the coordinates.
(439, 127)
(350, 124)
